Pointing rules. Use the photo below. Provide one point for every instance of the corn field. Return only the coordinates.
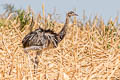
(89, 51)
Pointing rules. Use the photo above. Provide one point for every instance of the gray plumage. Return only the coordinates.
(40, 38)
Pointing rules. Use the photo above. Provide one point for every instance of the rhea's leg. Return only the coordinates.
(29, 59)
(36, 62)
(25, 50)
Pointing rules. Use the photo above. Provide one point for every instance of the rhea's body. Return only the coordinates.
(40, 38)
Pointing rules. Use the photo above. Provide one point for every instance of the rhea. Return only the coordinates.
(41, 39)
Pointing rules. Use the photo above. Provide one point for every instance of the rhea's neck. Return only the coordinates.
(62, 33)
(66, 21)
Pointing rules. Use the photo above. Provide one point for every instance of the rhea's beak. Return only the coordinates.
(75, 14)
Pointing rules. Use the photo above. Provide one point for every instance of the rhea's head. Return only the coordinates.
(71, 13)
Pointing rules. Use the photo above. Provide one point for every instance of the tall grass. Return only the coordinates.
(89, 51)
